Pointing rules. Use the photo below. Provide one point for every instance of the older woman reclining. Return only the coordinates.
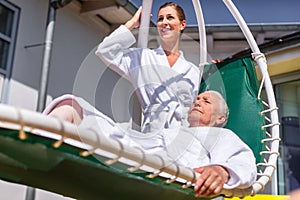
(220, 157)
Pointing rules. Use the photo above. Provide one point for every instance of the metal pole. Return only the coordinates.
(202, 34)
(42, 95)
(30, 192)
(46, 58)
(142, 43)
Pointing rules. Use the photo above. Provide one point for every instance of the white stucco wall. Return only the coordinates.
(75, 37)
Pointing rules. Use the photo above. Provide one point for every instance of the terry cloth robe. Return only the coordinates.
(189, 147)
(202, 146)
(165, 93)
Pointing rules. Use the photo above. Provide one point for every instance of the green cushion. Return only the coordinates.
(237, 81)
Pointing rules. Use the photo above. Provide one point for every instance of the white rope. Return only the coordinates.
(270, 140)
(270, 125)
(268, 119)
(141, 162)
(258, 55)
(268, 110)
(22, 134)
(265, 104)
(261, 87)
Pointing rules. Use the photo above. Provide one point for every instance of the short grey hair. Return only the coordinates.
(223, 107)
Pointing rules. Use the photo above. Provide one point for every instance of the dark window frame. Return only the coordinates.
(10, 40)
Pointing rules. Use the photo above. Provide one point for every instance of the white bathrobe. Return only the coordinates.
(188, 147)
(165, 93)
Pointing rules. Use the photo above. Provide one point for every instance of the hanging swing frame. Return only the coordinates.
(272, 140)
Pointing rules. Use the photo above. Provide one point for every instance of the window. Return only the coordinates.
(289, 98)
(288, 101)
(9, 15)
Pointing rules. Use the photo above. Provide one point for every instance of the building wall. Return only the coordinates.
(71, 29)
(74, 67)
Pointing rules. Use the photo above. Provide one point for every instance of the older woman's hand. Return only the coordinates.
(211, 180)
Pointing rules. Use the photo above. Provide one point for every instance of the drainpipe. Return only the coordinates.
(53, 6)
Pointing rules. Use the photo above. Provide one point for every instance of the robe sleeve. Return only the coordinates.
(113, 48)
(233, 154)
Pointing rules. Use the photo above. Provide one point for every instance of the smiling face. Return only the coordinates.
(205, 110)
(169, 23)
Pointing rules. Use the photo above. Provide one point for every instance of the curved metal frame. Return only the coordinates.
(272, 128)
